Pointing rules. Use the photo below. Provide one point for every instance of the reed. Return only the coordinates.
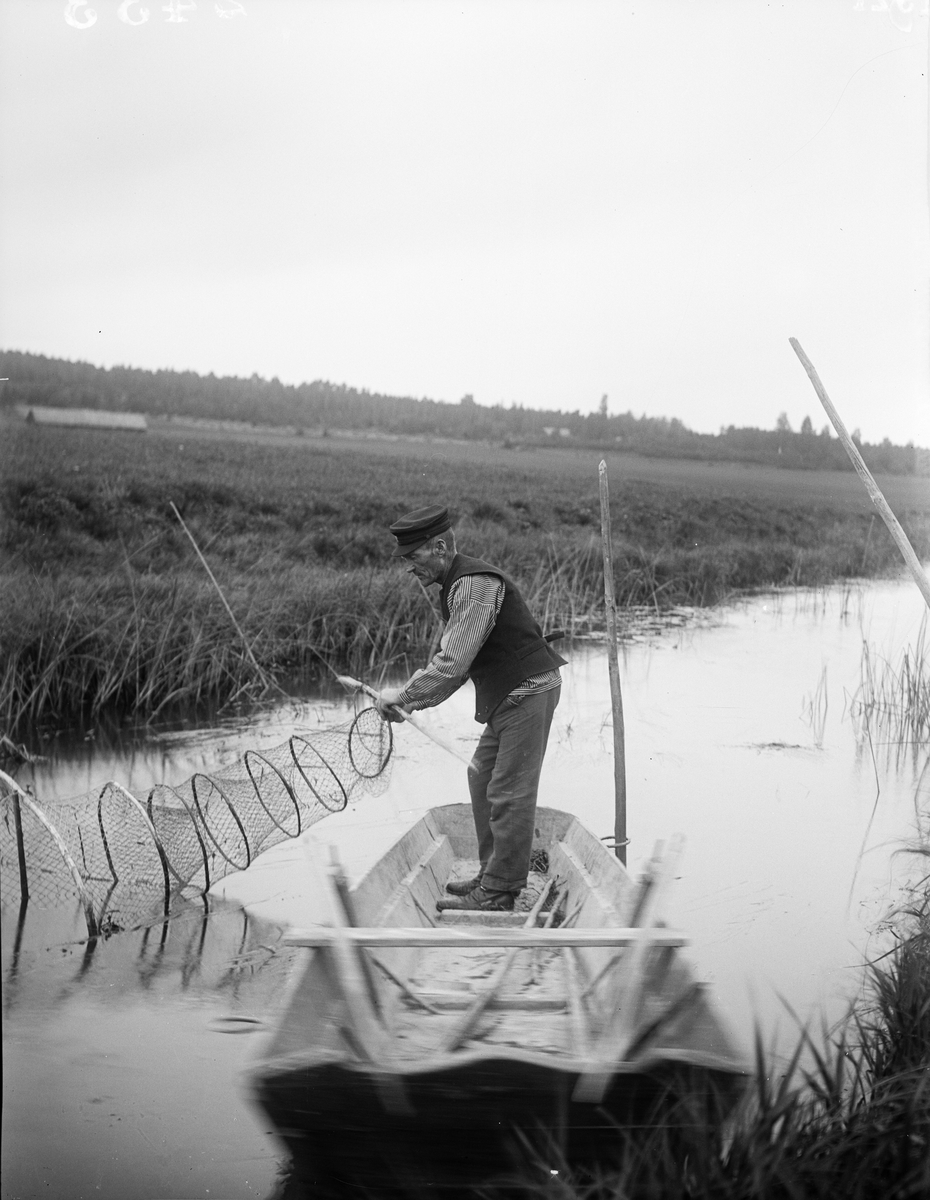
(854, 1122)
(90, 646)
(82, 648)
(892, 702)
(104, 607)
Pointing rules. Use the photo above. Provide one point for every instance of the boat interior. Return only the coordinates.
(400, 984)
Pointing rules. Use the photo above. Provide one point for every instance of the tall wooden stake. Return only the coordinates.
(20, 851)
(884, 509)
(616, 700)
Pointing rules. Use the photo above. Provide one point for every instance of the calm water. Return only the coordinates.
(121, 1067)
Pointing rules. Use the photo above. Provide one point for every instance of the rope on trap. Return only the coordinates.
(125, 858)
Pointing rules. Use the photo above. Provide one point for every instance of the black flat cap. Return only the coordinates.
(418, 527)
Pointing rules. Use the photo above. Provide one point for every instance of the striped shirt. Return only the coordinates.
(474, 605)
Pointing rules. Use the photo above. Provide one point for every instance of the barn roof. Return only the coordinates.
(91, 418)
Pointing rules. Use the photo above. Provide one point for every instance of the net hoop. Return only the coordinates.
(385, 730)
(300, 767)
(215, 786)
(128, 857)
(150, 807)
(127, 797)
(248, 758)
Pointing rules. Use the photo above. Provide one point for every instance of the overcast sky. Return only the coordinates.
(534, 202)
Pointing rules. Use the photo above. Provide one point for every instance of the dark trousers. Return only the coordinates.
(503, 781)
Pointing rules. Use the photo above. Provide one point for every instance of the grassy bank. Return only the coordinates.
(105, 608)
(854, 1124)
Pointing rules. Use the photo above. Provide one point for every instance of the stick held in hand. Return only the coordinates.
(356, 685)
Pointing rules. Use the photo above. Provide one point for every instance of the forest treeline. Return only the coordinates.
(321, 406)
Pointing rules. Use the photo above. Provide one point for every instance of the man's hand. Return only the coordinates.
(387, 703)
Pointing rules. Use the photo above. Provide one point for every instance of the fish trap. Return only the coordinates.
(126, 858)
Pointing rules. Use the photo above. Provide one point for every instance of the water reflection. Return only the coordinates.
(206, 948)
(118, 1080)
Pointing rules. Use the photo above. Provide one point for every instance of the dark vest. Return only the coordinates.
(515, 648)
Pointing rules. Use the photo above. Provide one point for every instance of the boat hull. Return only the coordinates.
(486, 1124)
(379, 1081)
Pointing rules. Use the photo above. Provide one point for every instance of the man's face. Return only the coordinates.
(428, 562)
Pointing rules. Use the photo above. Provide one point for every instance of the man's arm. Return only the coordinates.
(474, 605)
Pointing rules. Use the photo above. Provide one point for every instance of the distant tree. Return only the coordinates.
(35, 379)
(807, 426)
(857, 436)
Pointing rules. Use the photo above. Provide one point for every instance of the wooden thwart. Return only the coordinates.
(456, 936)
(449, 1000)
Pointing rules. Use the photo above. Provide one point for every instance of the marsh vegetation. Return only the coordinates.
(849, 1115)
(105, 608)
(893, 698)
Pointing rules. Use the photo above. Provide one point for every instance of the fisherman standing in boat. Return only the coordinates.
(491, 638)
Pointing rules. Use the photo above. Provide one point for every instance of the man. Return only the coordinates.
(491, 638)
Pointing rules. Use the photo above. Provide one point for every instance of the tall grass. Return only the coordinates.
(76, 645)
(104, 609)
(893, 699)
(80, 648)
(853, 1124)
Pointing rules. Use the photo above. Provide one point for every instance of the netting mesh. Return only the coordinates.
(124, 857)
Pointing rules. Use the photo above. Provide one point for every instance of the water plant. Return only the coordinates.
(893, 698)
(853, 1122)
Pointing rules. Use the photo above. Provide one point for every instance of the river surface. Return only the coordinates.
(123, 1060)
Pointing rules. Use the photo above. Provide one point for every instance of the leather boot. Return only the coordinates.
(479, 900)
(461, 887)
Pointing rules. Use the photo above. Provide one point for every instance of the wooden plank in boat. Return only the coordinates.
(449, 999)
(566, 862)
(482, 920)
(487, 936)
(377, 890)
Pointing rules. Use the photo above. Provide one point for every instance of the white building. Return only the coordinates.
(89, 418)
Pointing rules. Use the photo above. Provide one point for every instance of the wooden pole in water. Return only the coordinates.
(884, 509)
(20, 851)
(616, 699)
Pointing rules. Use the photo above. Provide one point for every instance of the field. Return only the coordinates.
(106, 608)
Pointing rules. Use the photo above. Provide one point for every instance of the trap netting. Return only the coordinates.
(125, 858)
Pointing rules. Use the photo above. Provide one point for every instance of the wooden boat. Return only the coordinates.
(422, 1054)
